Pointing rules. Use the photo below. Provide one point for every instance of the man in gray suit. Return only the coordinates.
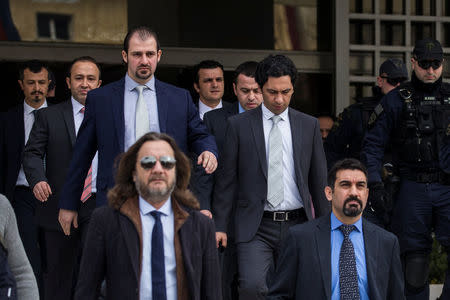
(273, 166)
(345, 256)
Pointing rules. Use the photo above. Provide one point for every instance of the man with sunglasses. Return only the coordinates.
(151, 241)
(413, 120)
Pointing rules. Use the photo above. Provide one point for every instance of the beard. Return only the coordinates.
(352, 210)
(154, 195)
(146, 74)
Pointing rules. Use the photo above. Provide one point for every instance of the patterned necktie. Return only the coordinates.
(87, 190)
(158, 266)
(142, 119)
(275, 187)
(348, 276)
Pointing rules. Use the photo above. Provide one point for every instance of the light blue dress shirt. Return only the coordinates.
(292, 199)
(168, 224)
(357, 238)
(241, 109)
(130, 99)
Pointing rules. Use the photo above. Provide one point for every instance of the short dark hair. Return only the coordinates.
(247, 68)
(206, 64)
(35, 66)
(344, 164)
(275, 66)
(88, 59)
(144, 33)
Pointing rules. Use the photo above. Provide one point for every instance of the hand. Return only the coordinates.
(221, 237)
(206, 213)
(66, 218)
(377, 197)
(42, 191)
(208, 160)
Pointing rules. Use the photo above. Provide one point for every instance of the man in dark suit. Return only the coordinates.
(340, 255)
(15, 129)
(51, 141)
(151, 242)
(249, 96)
(119, 113)
(273, 165)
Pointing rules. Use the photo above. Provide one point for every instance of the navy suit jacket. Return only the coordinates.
(12, 143)
(103, 129)
(304, 267)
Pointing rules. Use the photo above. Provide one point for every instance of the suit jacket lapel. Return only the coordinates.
(20, 127)
(323, 248)
(258, 135)
(163, 101)
(371, 244)
(296, 133)
(117, 103)
(67, 112)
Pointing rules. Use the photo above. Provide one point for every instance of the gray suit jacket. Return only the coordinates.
(304, 267)
(243, 171)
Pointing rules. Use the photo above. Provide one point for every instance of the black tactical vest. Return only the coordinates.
(422, 126)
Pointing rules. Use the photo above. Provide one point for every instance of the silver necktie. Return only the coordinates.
(275, 186)
(142, 118)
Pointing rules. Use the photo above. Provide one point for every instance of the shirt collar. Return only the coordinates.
(268, 114)
(335, 223)
(241, 109)
(147, 208)
(206, 108)
(130, 84)
(28, 109)
(77, 106)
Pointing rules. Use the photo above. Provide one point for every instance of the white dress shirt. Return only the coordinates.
(28, 118)
(203, 108)
(130, 99)
(78, 117)
(168, 225)
(292, 199)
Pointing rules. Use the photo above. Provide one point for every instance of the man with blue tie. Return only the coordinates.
(121, 112)
(151, 241)
(365, 259)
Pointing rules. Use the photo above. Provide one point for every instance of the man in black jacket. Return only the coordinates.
(151, 241)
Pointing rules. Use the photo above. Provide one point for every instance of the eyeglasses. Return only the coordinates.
(426, 64)
(149, 162)
(393, 81)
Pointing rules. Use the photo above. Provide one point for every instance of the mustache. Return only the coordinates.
(353, 198)
(37, 93)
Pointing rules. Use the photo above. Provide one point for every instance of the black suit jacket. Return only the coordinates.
(12, 143)
(304, 267)
(51, 139)
(243, 171)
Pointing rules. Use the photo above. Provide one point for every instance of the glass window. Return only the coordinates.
(392, 7)
(362, 32)
(392, 33)
(361, 63)
(53, 26)
(359, 90)
(423, 7)
(386, 55)
(446, 7)
(313, 93)
(445, 37)
(421, 30)
(361, 6)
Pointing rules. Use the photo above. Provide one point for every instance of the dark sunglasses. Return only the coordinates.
(167, 162)
(426, 64)
(393, 81)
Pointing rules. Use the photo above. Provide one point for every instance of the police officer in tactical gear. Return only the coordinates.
(413, 119)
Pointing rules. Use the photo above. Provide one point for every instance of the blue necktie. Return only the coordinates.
(158, 267)
(348, 276)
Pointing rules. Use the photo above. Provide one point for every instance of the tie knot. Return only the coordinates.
(82, 110)
(34, 112)
(156, 214)
(346, 229)
(276, 119)
(140, 88)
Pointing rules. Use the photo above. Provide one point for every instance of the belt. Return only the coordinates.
(282, 216)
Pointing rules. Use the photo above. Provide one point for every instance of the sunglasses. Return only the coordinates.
(167, 162)
(393, 81)
(426, 64)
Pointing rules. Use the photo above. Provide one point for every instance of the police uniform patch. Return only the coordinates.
(374, 115)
